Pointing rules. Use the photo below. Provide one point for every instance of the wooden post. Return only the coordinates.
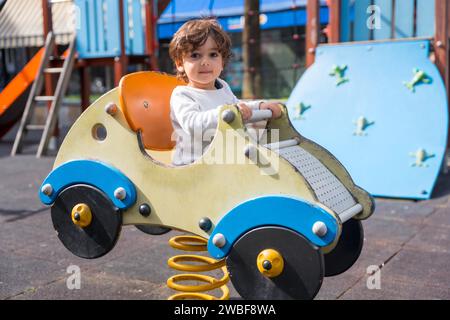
(441, 35)
(85, 85)
(334, 25)
(151, 42)
(162, 5)
(121, 61)
(312, 30)
(49, 82)
(48, 27)
(47, 17)
(251, 51)
(441, 44)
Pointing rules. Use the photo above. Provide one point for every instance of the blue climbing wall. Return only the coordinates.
(381, 155)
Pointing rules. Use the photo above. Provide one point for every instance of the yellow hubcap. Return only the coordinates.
(270, 263)
(81, 215)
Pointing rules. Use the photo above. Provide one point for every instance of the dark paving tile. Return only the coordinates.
(21, 178)
(19, 273)
(393, 289)
(402, 210)
(420, 267)
(34, 230)
(431, 239)
(149, 263)
(390, 230)
(333, 287)
(374, 253)
(51, 249)
(440, 218)
(97, 286)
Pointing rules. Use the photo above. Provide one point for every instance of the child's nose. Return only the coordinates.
(205, 62)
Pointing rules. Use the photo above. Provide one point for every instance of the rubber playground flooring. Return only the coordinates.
(405, 255)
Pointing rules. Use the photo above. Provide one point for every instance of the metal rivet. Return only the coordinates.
(120, 193)
(228, 116)
(111, 108)
(320, 229)
(219, 240)
(47, 189)
(145, 210)
(146, 104)
(205, 224)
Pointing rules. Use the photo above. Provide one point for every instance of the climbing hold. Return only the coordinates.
(361, 125)
(299, 110)
(421, 156)
(419, 77)
(338, 72)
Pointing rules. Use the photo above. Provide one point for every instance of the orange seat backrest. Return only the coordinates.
(145, 102)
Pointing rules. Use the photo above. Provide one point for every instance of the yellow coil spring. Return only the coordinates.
(197, 244)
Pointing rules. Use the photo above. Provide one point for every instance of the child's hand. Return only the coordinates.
(245, 110)
(273, 106)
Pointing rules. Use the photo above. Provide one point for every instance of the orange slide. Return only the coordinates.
(13, 97)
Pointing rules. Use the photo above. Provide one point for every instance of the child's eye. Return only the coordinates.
(195, 55)
(214, 54)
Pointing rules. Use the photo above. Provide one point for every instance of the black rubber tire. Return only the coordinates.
(100, 236)
(302, 274)
(153, 230)
(347, 250)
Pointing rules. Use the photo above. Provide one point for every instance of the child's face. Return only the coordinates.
(203, 65)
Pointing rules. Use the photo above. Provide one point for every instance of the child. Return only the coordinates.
(200, 50)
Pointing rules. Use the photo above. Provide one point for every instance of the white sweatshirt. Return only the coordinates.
(194, 114)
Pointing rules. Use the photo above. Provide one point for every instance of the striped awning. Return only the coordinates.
(21, 23)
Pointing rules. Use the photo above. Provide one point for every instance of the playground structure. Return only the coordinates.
(117, 33)
(379, 87)
(289, 202)
(15, 89)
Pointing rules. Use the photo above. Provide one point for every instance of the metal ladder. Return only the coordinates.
(34, 97)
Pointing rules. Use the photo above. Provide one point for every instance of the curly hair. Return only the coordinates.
(192, 35)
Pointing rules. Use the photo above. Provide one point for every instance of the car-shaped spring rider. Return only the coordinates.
(276, 223)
